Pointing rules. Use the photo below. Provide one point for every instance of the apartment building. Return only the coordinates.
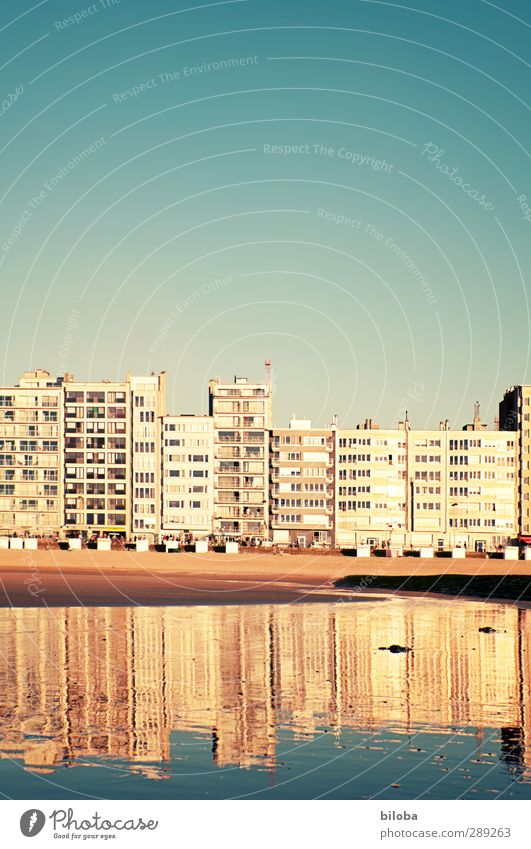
(426, 488)
(242, 418)
(112, 466)
(371, 485)
(515, 417)
(148, 406)
(187, 475)
(31, 455)
(481, 494)
(302, 484)
(97, 457)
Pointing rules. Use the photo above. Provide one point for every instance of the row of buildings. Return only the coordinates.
(96, 458)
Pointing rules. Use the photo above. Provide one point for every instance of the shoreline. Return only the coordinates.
(56, 578)
(515, 588)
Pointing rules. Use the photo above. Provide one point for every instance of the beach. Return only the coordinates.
(57, 578)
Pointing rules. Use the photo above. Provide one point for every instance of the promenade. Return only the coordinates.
(85, 578)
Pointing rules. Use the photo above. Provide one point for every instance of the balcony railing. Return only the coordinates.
(228, 482)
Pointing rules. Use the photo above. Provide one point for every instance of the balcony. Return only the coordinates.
(253, 528)
(228, 527)
(230, 452)
(228, 483)
(254, 454)
(226, 512)
(253, 512)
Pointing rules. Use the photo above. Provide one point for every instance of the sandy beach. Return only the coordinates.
(64, 578)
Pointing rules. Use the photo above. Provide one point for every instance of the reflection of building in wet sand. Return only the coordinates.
(80, 684)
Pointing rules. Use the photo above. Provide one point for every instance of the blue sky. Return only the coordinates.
(340, 187)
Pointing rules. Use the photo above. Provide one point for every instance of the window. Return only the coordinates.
(75, 397)
(95, 412)
(95, 397)
(116, 397)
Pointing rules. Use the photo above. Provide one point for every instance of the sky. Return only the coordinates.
(341, 187)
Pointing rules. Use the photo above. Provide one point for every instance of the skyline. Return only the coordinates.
(356, 177)
(106, 457)
(331, 419)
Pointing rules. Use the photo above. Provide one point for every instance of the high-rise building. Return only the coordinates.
(187, 475)
(112, 455)
(426, 488)
(515, 417)
(148, 406)
(242, 419)
(302, 484)
(370, 485)
(97, 458)
(31, 461)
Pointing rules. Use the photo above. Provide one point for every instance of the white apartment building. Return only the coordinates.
(242, 419)
(148, 406)
(97, 457)
(187, 475)
(370, 485)
(481, 493)
(31, 455)
(426, 488)
(302, 484)
(112, 463)
(515, 417)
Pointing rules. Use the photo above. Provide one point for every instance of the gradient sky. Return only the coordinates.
(179, 243)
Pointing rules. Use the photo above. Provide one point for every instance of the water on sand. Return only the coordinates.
(265, 701)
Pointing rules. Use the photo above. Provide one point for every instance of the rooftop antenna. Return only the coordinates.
(268, 374)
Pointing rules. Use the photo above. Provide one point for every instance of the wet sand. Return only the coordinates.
(58, 578)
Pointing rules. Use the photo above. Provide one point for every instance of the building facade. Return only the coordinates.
(370, 485)
(97, 466)
(112, 462)
(242, 419)
(515, 417)
(302, 484)
(441, 489)
(31, 455)
(187, 476)
(97, 458)
(148, 406)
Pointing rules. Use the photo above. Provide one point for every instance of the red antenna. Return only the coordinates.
(268, 373)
